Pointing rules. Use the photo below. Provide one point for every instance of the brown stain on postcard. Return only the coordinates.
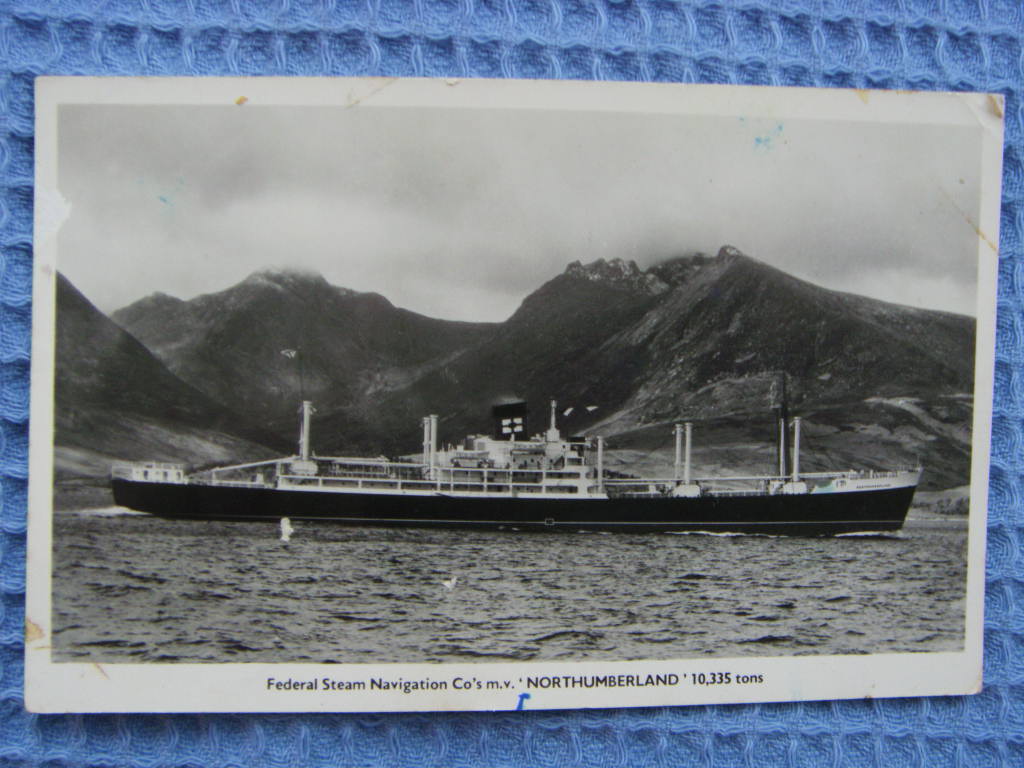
(33, 631)
(354, 102)
(995, 102)
(971, 223)
(982, 235)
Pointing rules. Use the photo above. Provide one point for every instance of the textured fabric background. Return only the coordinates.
(922, 44)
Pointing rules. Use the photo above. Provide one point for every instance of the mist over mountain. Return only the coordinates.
(624, 351)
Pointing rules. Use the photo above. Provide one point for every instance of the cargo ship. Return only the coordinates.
(507, 479)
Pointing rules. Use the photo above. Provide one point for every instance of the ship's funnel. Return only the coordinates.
(510, 421)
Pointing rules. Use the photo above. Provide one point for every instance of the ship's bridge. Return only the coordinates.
(486, 452)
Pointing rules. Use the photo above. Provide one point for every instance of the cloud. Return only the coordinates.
(461, 213)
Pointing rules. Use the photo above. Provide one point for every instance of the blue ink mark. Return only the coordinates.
(522, 698)
(765, 142)
(168, 198)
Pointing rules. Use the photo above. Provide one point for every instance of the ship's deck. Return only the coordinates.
(385, 476)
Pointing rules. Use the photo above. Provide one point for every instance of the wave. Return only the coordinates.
(769, 639)
(107, 512)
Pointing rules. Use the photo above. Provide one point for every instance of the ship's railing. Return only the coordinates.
(384, 464)
(338, 472)
(384, 468)
(498, 485)
(511, 480)
(379, 461)
(638, 490)
(737, 485)
(713, 490)
(250, 465)
(125, 466)
(241, 483)
(149, 471)
(221, 476)
(848, 474)
(862, 474)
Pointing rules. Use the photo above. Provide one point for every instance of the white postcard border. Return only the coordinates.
(249, 687)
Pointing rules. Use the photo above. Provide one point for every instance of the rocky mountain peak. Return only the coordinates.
(158, 303)
(292, 279)
(731, 252)
(285, 277)
(680, 269)
(615, 269)
(159, 299)
(662, 277)
(617, 273)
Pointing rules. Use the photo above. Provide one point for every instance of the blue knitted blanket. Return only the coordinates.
(912, 44)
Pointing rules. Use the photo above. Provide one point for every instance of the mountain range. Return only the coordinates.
(279, 337)
(116, 400)
(629, 351)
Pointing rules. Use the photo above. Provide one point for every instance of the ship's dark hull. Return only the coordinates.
(825, 514)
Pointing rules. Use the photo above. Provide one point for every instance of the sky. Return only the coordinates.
(460, 214)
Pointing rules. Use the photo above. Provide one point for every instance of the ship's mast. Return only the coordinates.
(426, 440)
(678, 475)
(784, 461)
(796, 448)
(782, 447)
(683, 455)
(433, 440)
(686, 463)
(307, 412)
(553, 433)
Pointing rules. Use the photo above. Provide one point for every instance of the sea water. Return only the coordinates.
(131, 588)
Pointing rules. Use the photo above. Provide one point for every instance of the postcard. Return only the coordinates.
(368, 395)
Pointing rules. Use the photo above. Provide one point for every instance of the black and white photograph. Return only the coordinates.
(367, 395)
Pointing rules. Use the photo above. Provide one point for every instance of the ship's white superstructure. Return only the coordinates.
(508, 464)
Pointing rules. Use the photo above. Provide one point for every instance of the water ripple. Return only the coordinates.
(143, 589)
